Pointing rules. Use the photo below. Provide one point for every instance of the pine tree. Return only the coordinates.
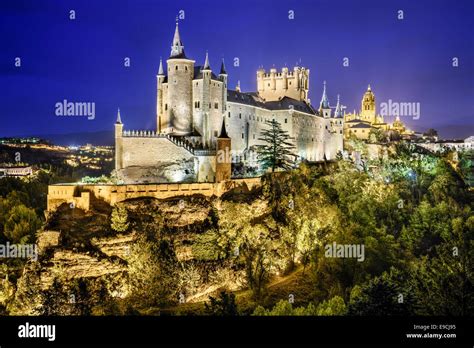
(277, 151)
(119, 219)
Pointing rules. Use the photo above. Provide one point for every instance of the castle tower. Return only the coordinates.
(118, 142)
(178, 107)
(368, 110)
(206, 103)
(277, 85)
(159, 98)
(224, 157)
(324, 108)
(223, 78)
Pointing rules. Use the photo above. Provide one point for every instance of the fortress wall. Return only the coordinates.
(80, 194)
(311, 138)
(143, 151)
(59, 194)
(207, 168)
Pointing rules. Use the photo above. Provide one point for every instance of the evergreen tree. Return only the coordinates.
(119, 219)
(277, 151)
(222, 306)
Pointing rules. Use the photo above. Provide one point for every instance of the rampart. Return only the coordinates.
(79, 195)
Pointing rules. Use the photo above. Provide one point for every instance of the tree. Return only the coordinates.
(152, 274)
(119, 219)
(377, 135)
(334, 306)
(222, 306)
(382, 296)
(431, 133)
(22, 224)
(277, 150)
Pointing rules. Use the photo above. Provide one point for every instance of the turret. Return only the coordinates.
(223, 78)
(118, 142)
(324, 108)
(206, 102)
(159, 96)
(224, 155)
(338, 112)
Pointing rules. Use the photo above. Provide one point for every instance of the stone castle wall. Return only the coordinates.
(143, 151)
(313, 136)
(80, 194)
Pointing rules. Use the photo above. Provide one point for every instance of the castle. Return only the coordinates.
(205, 130)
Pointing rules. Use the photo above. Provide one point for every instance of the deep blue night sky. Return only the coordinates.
(83, 59)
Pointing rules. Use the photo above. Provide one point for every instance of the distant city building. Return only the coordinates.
(457, 145)
(198, 118)
(362, 123)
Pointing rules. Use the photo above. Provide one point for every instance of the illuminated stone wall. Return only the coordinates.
(276, 84)
(68, 193)
(314, 136)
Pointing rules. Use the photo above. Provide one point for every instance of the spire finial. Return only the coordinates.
(223, 71)
(177, 48)
(160, 69)
(223, 134)
(324, 99)
(339, 108)
(206, 63)
(119, 120)
(237, 88)
(368, 88)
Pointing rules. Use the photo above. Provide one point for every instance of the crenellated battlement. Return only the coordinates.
(274, 85)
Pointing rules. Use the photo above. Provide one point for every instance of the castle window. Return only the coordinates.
(176, 68)
(242, 135)
(286, 120)
(215, 133)
(268, 85)
(186, 68)
(166, 106)
(196, 83)
(229, 114)
(290, 83)
(254, 136)
(216, 105)
(240, 116)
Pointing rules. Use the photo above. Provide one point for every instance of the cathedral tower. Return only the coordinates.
(368, 111)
